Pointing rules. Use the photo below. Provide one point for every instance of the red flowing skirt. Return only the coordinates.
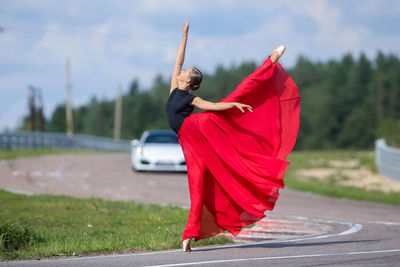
(236, 161)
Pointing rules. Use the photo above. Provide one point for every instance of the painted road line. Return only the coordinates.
(61, 178)
(280, 257)
(278, 229)
(35, 173)
(353, 229)
(385, 223)
(16, 172)
(15, 191)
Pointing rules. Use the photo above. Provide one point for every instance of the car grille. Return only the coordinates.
(165, 163)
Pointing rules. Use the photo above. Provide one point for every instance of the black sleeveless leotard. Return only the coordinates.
(178, 107)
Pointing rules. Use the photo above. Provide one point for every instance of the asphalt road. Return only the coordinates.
(346, 232)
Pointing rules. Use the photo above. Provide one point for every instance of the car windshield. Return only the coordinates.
(162, 139)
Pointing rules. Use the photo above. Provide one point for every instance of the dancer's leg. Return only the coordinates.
(277, 53)
(196, 171)
(274, 56)
(256, 79)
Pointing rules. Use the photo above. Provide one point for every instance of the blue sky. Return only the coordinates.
(110, 43)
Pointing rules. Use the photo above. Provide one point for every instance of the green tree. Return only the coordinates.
(343, 102)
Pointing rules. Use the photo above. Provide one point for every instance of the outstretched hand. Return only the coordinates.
(185, 29)
(242, 106)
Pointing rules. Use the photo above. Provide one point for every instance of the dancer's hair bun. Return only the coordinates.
(195, 79)
(195, 87)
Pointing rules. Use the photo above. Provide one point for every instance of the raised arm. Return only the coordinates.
(180, 58)
(207, 105)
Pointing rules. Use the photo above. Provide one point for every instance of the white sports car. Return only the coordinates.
(157, 150)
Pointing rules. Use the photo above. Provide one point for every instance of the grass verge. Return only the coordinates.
(343, 191)
(44, 226)
(330, 187)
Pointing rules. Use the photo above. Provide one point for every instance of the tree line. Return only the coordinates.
(345, 103)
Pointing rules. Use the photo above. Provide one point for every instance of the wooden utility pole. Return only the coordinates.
(32, 108)
(68, 108)
(40, 110)
(118, 115)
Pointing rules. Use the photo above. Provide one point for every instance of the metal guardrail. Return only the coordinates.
(32, 140)
(387, 160)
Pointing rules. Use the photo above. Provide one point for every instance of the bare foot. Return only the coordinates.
(186, 245)
(274, 56)
(277, 53)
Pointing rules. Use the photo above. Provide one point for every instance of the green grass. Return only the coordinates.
(45, 226)
(58, 225)
(18, 153)
(320, 159)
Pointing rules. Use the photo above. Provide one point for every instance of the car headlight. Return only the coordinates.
(143, 150)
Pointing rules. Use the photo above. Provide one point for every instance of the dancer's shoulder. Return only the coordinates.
(172, 90)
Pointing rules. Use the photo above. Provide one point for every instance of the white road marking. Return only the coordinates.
(17, 191)
(353, 229)
(295, 217)
(385, 223)
(279, 257)
(60, 177)
(15, 173)
(86, 175)
(35, 173)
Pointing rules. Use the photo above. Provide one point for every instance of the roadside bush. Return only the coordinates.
(389, 129)
(14, 236)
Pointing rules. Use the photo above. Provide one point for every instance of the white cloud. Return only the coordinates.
(112, 42)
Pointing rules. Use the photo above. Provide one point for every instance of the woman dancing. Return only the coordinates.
(235, 151)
